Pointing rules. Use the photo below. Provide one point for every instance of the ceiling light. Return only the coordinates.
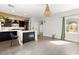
(47, 11)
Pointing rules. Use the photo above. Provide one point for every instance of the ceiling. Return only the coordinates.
(35, 10)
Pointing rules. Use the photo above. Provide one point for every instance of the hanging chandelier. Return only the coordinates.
(47, 11)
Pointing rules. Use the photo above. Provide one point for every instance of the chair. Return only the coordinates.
(12, 38)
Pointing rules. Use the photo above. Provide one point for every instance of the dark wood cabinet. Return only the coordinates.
(28, 36)
(24, 24)
(21, 23)
(4, 36)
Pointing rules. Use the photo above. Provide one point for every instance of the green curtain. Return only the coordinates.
(63, 29)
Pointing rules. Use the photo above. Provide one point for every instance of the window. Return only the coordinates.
(72, 26)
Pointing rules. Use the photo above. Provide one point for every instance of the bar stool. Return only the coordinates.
(13, 37)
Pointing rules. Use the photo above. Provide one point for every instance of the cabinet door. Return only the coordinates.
(27, 25)
(21, 23)
(4, 36)
(31, 36)
(28, 36)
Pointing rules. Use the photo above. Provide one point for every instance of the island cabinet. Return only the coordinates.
(28, 36)
(5, 35)
(22, 36)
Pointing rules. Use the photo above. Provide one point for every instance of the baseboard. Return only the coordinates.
(51, 38)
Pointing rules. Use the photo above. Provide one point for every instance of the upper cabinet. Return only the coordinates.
(9, 19)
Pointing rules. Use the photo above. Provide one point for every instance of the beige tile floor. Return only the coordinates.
(41, 47)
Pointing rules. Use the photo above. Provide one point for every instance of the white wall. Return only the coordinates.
(54, 24)
(34, 24)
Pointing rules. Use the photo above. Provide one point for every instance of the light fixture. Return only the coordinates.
(47, 11)
(10, 5)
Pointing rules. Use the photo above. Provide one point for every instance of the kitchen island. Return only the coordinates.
(26, 36)
(22, 36)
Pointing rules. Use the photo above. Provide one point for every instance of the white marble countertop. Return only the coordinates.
(17, 30)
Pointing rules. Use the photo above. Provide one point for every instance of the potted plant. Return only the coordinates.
(7, 21)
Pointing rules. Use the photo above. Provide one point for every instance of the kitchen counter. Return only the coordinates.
(21, 34)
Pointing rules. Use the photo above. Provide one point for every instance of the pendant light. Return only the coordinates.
(47, 11)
